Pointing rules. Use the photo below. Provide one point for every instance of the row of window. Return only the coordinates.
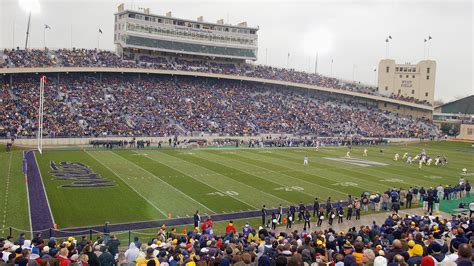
(189, 24)
(412, 91)
(405, 69)
(189, 47)
(189, 34)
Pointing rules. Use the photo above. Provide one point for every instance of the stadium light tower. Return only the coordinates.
(30, 6)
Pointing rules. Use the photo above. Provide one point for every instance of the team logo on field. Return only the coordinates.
(80, 175)
(355, 161)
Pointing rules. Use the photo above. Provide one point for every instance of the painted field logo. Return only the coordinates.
(355, 161)
(80, 175)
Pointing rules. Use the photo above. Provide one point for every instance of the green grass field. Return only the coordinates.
(150, 184)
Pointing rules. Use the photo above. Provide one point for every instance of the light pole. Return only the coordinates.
(28, 30)
(30, 6)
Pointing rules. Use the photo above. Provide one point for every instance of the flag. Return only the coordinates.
(426, 40)
(375, 69)
(386, 40)
(100, 31)
(390, 37)
(429, 38)
(332, 60)
(288, 54)
(46, 26)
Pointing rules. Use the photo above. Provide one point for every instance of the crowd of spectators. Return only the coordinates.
(98, 58)
(128, 105)
(400, 240)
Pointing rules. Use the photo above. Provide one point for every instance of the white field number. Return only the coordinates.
(223, 193)
(292, 188)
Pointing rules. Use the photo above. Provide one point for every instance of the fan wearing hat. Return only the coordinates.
(416, 254)
(349, 259)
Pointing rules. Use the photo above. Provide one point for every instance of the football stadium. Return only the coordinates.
(179, 144)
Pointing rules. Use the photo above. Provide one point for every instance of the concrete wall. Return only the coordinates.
(420, 84)
(79, 142)
(466, 132)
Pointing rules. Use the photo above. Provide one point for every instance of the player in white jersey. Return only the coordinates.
(429, 161)
(348, 154)
(365, 152)
(416, 157)
(409, 159)
(420, 163)
(305, 161)
(396, 157)
(317, 145)
(437, 160)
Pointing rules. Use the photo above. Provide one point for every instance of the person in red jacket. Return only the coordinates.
(230, 228)
(62, 257)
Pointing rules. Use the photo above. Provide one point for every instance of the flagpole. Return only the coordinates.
(375, 77)
(70, 36)
(13, 34)
(424, 50)
(332, 61)
(316, 63)
(266, 55)
(288, 60)
(44, 37)
(98, 37)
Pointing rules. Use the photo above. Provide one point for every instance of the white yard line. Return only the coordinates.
(5, 207)
(172, 187)
(147, 200)
(248, 204)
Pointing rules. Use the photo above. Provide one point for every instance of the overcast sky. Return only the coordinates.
(351, 33)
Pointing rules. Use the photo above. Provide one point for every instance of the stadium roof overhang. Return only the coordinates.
(5, 71)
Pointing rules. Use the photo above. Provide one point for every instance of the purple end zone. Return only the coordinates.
(40, 213)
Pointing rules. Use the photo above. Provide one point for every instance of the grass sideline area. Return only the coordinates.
(221, 180)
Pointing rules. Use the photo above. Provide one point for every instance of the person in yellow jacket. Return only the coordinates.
(359, 252)
(142, 261)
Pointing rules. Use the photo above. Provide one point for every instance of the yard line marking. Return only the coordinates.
(203, 182)
(236, 160)
(6, 191)
(302, 180)
(219, 174)
(326, 168)
(147, 200)
(177, 190)
(252, 175)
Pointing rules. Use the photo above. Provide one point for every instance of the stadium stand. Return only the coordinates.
(128, 105)
(97, 58)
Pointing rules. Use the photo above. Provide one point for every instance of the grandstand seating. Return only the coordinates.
(97, 58)
(129, 105)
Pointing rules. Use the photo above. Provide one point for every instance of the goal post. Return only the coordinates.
(40, 114)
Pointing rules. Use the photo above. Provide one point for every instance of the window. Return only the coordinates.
(469, 131)
(428, 70)
(401, 76)
(386, 88)
(399, 91)
(413, 76)
(426, 94)
(388, 69)
(407, 76)
(398, 106)
(396, 69)
(412, 91)
(384, 104)
(427, 77)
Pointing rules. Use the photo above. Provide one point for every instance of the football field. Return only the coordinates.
(89, 187)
